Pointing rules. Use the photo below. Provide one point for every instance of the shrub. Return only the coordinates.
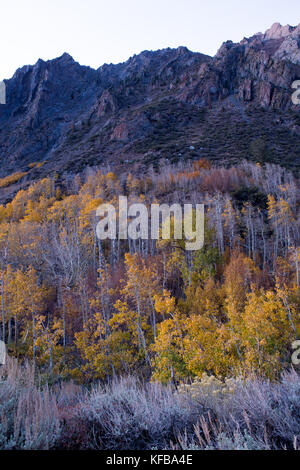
(257, 414)
(128, 414)
(28, 415)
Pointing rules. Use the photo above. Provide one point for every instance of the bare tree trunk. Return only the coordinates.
(297, 268)
(9, 330)
(33, 338)
(62, 305)
(3, 310)
(16, 330)
(51, 358)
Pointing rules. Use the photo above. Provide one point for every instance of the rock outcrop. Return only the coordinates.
(171, 103)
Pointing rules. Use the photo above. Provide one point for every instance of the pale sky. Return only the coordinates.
(104, 31)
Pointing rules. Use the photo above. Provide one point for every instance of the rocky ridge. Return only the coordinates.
(171, 103)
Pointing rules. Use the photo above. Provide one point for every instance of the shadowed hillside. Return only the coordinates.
(172, 103)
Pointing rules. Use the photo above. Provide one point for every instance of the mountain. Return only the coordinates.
(173, 103)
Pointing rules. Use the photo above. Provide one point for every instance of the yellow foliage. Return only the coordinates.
(11, 179)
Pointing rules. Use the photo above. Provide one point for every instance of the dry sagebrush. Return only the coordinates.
(128, 414)
(246, 414)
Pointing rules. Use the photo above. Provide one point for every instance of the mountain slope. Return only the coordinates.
(171, 103)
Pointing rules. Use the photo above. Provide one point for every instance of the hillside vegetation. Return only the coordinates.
(84, 308)
(127, 414)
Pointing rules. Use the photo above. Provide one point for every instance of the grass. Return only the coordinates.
(129, 414)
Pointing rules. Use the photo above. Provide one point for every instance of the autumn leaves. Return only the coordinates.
(79, 306)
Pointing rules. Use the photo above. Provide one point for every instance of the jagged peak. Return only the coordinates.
(65, 57)
(278, 31)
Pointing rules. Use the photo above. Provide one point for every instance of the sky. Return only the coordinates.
(95, 32)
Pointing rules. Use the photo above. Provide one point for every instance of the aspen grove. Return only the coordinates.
(83, 308)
